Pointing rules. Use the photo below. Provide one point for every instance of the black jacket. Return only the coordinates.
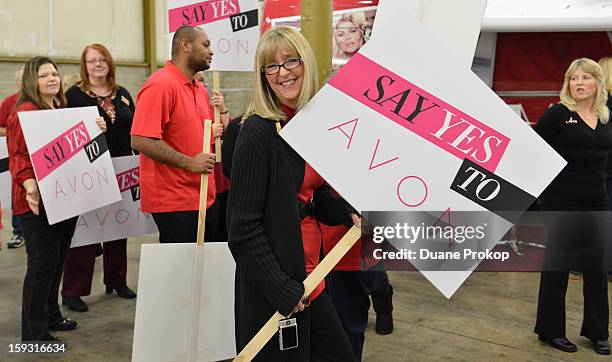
(117, 134)
(265, 235)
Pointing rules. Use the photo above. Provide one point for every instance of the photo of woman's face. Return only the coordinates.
(349, 37)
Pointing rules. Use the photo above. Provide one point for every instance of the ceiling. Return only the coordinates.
(547, 15)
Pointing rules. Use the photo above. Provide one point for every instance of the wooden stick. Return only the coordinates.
(204, 185)
(193, 327)
(217, 117)
(310, 283)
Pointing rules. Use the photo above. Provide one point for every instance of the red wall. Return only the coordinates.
(537, 62)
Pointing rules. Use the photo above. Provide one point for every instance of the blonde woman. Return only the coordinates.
(272, 233)
(349, 34)
(576, 203)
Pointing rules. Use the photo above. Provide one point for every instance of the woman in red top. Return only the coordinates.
(46, 244)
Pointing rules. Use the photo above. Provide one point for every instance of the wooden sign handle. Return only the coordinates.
(204, 185)
(217, 117)
(310, 283)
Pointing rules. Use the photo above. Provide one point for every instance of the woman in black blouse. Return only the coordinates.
(268, 238)
(98, 88)
(575, 204)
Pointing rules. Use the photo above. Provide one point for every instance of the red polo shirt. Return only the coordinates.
(20, 165)
(172, 108)
(222, 183)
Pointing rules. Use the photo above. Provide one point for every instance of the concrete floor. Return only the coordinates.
(489, 318)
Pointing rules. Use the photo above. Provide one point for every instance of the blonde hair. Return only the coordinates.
(599, 103)
(606, 65)
(358, 20)
(264, 102)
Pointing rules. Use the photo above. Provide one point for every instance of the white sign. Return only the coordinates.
(420, 131)
(5, 176)
(459, 33)
(122, 219)
(71, 161)
(164, 296)
(232, 26)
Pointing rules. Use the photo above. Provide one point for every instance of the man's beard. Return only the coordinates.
(197, 65)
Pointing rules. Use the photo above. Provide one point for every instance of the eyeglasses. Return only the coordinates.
(94, 61)
(289, 64)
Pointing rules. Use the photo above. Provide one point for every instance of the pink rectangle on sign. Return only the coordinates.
(202, 13)
(420, 112)
(128, 179)
(54, 154)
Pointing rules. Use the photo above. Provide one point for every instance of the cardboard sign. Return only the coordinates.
(71, 161)
(5, 176)
(162, 309)
(459, 33)
(412, 128)
(231, 25)
(122, 219)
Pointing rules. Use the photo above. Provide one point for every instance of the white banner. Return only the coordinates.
(122, 219)
(165, 284)
(231, 25)
(5, 176)
(71, 161)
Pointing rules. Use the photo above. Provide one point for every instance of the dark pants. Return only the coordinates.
(46, 248)
(551, 305)
(350, 293)
(575, 241)
(182, 226)
(16, 226)
(221, 204)
(79, 267)
(609, 255)
(328, 341)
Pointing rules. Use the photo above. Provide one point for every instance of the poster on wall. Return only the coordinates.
(5, 176)
(231, 25)
(351, 29)
(123, 219)
(422, 130)
(71, 161)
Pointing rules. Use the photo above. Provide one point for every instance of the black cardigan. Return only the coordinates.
(117, 134)
(265, 235)
(581, 184)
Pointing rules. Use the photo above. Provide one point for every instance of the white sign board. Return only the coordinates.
(459, 33)
(164, 296)
(231, 25)
(5, 176)
(71, 161)
(122, 219)
(420, 131)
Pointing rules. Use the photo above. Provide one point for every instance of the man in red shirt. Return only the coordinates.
(168, 129)
(9, 102)
(5, 109)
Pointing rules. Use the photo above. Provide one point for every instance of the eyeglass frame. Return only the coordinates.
(95, 61)
(278, 66)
